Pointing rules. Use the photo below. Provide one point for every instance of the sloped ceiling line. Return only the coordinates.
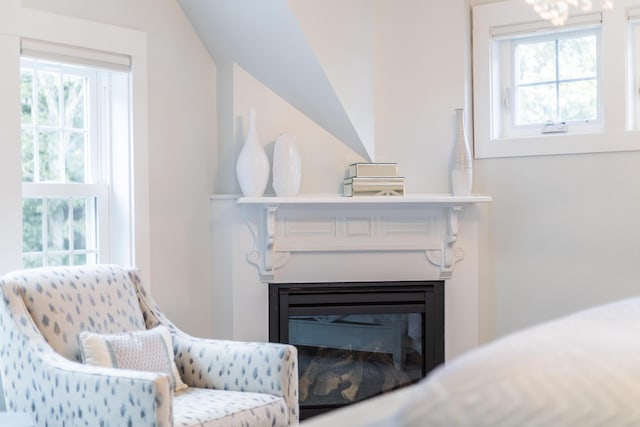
(268, 41)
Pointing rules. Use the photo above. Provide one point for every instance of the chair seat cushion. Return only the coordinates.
(208, 408)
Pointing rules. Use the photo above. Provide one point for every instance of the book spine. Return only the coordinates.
(348, 190)
(373, 170)
(373, 190)
(375, 180)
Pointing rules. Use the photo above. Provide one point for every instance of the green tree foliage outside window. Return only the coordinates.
(54, 120)
(556, 80)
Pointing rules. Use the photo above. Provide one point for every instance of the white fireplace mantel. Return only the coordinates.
(285, 226)
(345, 239)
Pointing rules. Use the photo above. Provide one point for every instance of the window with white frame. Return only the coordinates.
(551, 83)
(120, 51)
(544, 89)
(67, 146)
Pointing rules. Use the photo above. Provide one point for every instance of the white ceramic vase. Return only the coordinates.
(461, 163)
(287, 168)
(252, 165)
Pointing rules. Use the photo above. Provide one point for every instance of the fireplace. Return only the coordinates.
(258, 241)
(356, 340)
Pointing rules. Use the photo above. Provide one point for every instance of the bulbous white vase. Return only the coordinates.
(287, 168)
(461, 163)
(252, 165)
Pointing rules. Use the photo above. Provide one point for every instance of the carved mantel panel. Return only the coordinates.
(283, 227)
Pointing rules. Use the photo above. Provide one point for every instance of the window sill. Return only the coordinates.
(602, 142)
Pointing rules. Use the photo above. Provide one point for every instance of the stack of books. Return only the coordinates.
(373, 179)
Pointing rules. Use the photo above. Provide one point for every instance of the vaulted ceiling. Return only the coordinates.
(317, 56)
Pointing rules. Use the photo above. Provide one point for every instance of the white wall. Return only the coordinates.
(182, 129)
(563, 228)
(351, 75)
(419, 81)
(564, 234)
(324, 159)
(561, 231)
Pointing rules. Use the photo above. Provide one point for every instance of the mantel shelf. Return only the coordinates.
(334, 223)
(425, 199)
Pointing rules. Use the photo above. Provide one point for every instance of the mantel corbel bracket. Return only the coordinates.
(447, 257)
(262, 255)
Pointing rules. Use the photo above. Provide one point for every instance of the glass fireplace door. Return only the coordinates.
(347, 358)
(358, 340)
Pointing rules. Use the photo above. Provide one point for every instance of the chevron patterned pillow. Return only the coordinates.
(147, 350)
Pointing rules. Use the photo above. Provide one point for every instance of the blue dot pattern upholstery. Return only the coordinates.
(43, 311)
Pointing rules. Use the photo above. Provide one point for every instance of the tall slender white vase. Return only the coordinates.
(252, 165)
(461, 163)
(287, 168)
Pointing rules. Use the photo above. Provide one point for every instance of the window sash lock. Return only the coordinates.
(554, 127)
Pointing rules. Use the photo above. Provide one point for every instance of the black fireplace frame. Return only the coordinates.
(313, 299)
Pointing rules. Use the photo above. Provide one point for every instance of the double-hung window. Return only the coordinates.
(74, 149)
(74, 138)
(65, 190)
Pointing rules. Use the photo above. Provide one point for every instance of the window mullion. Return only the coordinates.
(61, 129)
(45, 231)
(635, 81)
(557, 60)
(36, 126)
(98, 129)
(71, 229)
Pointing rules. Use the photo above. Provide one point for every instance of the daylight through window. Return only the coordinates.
(65, 190)
(556, 79)
(540, 89)
(550, 83)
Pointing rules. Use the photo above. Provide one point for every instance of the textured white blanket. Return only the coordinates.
(582, 370)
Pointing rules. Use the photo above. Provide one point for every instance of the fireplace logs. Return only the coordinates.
(345, 376)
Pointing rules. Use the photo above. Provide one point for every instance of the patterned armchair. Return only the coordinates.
(42, 313)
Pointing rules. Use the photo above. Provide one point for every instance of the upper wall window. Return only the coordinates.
(544, 89)
(552, 83)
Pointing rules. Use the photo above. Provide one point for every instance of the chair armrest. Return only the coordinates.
(109, 396)
(57, 391)
(228, 365)
(242, 366)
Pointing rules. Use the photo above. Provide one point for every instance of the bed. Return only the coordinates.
(580, 370)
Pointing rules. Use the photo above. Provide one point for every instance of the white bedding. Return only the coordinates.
(581, 370)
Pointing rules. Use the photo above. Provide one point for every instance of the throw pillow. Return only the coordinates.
(148, 350)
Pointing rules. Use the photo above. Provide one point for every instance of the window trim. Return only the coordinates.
(616, 134)
(75, 55)
(20, 22)
(634, 81)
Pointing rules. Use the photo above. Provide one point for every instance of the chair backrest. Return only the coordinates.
(64, 301)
